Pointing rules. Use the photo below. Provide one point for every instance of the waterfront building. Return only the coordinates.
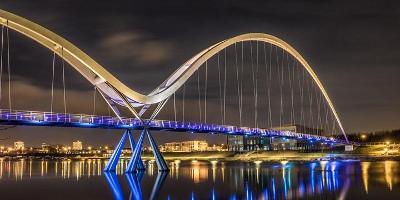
(45, 148)
(248, 143)
(185, 146)
(77, 145)
(215, 147)
(255, 143)
(19, 145)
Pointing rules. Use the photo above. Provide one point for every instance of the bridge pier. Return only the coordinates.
(140, 165)
(161, 164)
(113, 161)
(136, 154)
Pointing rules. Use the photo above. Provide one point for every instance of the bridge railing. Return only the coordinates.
(83, 119)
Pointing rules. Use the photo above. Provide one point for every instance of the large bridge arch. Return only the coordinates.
(110, 85)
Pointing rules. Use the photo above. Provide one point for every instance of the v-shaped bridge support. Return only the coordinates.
(136, 163)
(112, 163)
(136, 154)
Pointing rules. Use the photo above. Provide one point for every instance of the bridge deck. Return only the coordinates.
(35, 118)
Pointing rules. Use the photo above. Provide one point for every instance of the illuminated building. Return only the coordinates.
(47, 148)
(185, 146)
(248, 143)
(77, 145)
(19, 145)
(254, 143)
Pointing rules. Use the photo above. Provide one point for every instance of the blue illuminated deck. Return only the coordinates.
(35, 118)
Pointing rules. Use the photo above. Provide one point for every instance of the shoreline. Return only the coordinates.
(274, 156)
(265, 156)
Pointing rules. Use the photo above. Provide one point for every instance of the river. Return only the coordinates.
(84, 179)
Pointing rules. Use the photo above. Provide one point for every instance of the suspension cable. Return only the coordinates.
(224, 119)
(220, 89)
(266, 80)
(205, 94)
(292, 91)
(319, 125)
(174, 108)
(52, 82)
(309, 102)
(280, 86)
(241, 85)
(183, 103)
(302, 115)
(315, 124)
(9, 71)
(109, 111)
(254, 84)
(310, 96)
(237, 82)
(94, 100)
(282, 81)
(269, 86)
(63, 80)
(290, 87)
(1, 61)
(299, 89)
(199, 94)
(333, 125)
(326, 118)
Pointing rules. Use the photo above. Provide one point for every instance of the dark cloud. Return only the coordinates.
(352, 45)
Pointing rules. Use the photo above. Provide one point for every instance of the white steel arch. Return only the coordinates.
(113, 88)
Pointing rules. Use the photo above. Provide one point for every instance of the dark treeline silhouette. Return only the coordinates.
(378, 136)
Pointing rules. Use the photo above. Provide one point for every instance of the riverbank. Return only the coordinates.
(375, 153)
(372, 153)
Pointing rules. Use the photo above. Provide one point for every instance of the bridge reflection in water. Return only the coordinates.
(212, 179)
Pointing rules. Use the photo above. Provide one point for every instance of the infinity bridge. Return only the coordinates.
(272, 85)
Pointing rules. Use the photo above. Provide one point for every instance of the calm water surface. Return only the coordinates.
(84, 179)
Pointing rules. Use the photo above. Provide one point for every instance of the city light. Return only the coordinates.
(363, 137)
(258, 162)
(284, 162)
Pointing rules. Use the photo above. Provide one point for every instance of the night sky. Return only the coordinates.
(352, 46)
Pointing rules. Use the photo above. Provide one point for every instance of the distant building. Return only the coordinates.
(19, 145)
(254, 143)
(248, 143)
(217, 148)
(77, 145)
(235, 143)
(185, 146)
(171, 147)
(194, 145)
(45, 148)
